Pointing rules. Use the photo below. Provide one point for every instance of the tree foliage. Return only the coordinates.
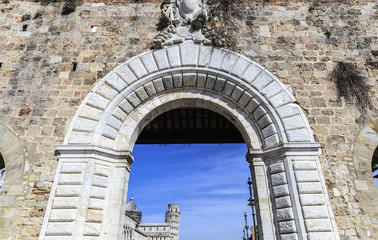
(351, 85)
(224, 21)
(69, 7)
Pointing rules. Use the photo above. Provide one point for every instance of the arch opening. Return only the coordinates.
(220, 168)
(221, 105)
(189, 126)
(207, 181)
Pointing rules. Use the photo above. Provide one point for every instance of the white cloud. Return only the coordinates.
(225, 191)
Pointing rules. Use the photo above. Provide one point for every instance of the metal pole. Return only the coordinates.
(246, 225)
(252, 204)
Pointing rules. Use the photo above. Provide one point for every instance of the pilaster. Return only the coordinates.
(297, 192)
(88, 196)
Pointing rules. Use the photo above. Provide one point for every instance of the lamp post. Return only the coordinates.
(246, 224)
(252, 204)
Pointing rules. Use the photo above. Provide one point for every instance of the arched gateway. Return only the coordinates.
(88, 196)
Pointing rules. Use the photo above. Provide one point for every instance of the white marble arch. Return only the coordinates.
(88, 197)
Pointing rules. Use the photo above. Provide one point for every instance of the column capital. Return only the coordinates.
(284, 150)
(80, 152)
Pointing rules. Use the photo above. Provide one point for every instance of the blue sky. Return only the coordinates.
(209, 181)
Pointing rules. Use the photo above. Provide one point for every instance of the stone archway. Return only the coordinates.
(363, 150)
(365, 145)
(88, 196)
(12, 151)
(12, 187)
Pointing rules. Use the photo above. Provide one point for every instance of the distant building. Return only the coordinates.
(253, 235)
(134, 229)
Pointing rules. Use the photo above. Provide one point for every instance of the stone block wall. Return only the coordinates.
(50, 63)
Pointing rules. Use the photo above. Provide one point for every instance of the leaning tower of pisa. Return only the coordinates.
(172, 216)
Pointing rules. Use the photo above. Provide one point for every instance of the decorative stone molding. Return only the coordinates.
(189, 66)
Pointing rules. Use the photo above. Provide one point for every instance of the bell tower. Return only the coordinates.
(173, 216)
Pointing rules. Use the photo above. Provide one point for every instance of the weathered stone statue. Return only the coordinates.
(184, 17)
(189, 8)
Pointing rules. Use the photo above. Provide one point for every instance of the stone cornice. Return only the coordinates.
(90, 151)
(285, 149)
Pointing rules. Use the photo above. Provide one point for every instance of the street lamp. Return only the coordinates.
(246, 224)
(252, 204)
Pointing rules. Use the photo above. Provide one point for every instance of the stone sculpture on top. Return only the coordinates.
(186, 20)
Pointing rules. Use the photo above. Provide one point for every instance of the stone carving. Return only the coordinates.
(189, 9)
(186, 20)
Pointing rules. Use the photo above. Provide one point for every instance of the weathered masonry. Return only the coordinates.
(78, 91)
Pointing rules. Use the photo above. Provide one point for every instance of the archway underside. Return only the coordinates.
(189, 126)
(138, 119)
